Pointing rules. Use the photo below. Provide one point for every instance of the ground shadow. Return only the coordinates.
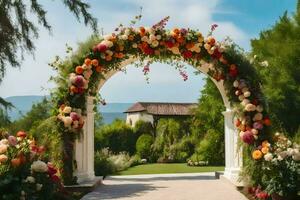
(164, 178)
(119, 191)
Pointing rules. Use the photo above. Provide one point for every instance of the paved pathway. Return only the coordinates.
(196, 186)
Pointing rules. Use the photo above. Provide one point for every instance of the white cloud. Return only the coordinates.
(197, 14)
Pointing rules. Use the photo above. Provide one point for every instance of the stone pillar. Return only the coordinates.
(233, 155)
(84, 146)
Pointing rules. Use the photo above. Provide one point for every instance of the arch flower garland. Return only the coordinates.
(170, 46)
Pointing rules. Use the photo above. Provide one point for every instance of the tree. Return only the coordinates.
(208, 115)
(280, 47)
(208, 126)
(38, 113)
(17, 31)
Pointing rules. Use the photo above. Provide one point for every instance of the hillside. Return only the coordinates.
(23, 104)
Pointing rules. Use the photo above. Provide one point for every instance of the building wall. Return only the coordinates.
(132, 118)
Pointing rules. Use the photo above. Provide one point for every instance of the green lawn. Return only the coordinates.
(168, 168)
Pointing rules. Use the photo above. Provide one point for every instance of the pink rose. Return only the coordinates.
(12, 140)
(247, 137)
(74, 116)
(101, 47)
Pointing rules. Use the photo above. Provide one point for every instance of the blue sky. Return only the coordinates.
(241, 20)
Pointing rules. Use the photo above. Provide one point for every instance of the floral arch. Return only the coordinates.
(81, 77)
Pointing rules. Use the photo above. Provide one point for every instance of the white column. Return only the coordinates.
(233, 154)
(84, 146)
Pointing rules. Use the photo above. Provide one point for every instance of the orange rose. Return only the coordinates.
(108, 58)
(189, 45)
(176, 31)
(79, 70)
(74, 89)
(265, 150)
(95, 62)
(99, 69)
(87, 61)
(130, 37)
(265, 144)
(180, 39)
(257, 154)
(15, 162)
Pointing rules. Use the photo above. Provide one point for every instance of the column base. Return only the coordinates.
(232, 174)
(84, 177)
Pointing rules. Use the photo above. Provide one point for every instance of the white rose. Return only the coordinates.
(241, 97)
(268, 157)
(144, 39)
(39, 186)
(259, 108)
(158, 37)
(152, 37)
(107, 43)
(124, 37)
(127, 31)
(245, 89)
(254, 131)
(282, 155)
(67, 110)
(247, 94)
(67, 121)
(155, 43)
(39, 166)
(4, 141)
(109, 52)
(296, 156)
(245, 102)
(30, 179)
(236, 83)
(134, 45)
(250, 107)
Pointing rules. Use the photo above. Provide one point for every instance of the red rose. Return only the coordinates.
(55, 178)
(233, 72)
(148, 51)
(187, 54)
(21, 134)
(169, 44)
(51, 169)
(217, 54)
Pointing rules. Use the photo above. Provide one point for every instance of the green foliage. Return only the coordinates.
(118, 137)
(208, 114)
(107, 163)
(4, 119)
(142, 127)
(211, 148)
(143, 146)
(47, 134)
(38, 113)
(18, 31)
(103, 166)
(280, 47)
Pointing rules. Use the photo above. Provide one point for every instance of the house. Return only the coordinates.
(153, 111)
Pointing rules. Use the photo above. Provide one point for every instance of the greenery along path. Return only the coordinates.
(168, 168)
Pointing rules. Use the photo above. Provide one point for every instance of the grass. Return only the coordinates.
(168, 168)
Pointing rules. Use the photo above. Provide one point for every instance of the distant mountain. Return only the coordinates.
(23, 104)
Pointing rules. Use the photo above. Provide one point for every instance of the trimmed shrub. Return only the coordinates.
(103, 166)
(143, 146)
(211, 149)
(118, 137)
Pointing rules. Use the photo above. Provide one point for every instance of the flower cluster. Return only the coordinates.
(72, 118)
(282, 149)
(22, 157)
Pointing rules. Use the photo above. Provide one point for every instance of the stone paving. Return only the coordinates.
(195, 186)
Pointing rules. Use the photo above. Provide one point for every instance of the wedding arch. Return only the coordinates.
(80, 79)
